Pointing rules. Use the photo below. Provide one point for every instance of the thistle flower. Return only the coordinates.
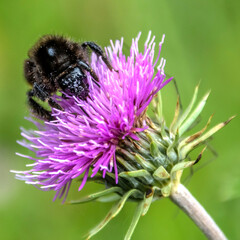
(87, 133)
(111, 139)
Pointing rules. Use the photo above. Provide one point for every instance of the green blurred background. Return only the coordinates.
(202, 44)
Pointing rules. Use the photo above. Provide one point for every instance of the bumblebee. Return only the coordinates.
(57, 63)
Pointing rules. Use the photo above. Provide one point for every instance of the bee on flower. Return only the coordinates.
(108, 135)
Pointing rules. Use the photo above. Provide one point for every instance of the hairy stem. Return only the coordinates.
(184, 199)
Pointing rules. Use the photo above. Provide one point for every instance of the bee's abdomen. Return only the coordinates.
(75, 83)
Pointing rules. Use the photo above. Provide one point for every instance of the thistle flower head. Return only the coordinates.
(84, 137)
(138, 158)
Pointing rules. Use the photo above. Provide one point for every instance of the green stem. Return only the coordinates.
(184, 200)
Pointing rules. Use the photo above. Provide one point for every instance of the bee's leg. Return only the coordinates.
(54, 104)
(42, 94)
(64, 96)
(30, 71)
(87, 68)
(99, 52)
(37, 109)
(39, 92)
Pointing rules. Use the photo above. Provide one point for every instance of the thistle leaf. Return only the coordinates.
(198, 134)
(174, 143)
(176, 115)
(112, 213)
(147, 201)
(111, 175)
(125, 163)
(161, 144)
(187, 111)
(195, 135)
(166, 191)
(181, 166)
(154, 149)
(159, 109)
(188, 148)
(163, 132)
(137, 173)
(161, 174)
(109, 198)
(145, 164)
(200, 155)
(97, 195)
(155, 145)
(135, 220)
(193, 116)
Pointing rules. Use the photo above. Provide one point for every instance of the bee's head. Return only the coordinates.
(51, 53)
